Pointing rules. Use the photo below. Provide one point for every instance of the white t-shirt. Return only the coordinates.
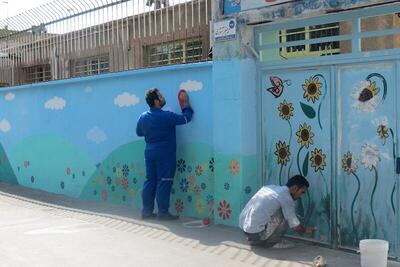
(268, 200)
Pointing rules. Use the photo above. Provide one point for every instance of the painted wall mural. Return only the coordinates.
(251, 4)
(235, 137)
(297, 133)
(367, 180)
(289, 8)
(77, 137)
(296, 111)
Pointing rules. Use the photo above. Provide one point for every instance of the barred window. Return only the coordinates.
(185, 51)
(39, 73)
(306, 33)
(90, 66)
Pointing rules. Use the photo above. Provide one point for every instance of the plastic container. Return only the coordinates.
(374, 252)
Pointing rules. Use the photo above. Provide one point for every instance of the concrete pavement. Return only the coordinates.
(43, 229)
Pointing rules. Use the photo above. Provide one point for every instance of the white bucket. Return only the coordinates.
(374, 252)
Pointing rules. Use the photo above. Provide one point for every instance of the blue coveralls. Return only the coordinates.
(159, 130)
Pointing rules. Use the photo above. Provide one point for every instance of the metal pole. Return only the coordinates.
(80, 30)
(40, 48)
(74, 28)
(68, 31)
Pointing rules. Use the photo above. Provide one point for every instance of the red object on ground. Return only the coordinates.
(183, 98)
(206, 221)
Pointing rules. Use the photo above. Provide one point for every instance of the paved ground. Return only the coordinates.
(43, 229)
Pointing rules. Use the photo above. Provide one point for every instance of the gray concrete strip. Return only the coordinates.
(43, 229)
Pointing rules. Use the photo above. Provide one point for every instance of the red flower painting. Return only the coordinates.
(224, 210)
(179, 205)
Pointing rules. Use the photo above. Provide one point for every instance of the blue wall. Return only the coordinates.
(77, 137)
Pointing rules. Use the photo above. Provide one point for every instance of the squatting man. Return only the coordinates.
(271, 211)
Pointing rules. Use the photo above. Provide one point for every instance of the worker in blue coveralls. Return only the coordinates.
(159, 130)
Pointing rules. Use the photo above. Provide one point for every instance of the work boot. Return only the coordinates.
(167, 217)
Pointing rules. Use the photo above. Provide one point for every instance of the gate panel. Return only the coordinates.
(297, 139)
(366, 151)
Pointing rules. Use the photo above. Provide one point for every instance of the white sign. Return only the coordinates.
(225, 30)
(250, 4)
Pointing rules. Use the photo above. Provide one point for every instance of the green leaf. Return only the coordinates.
(308, 110)
(305, 165)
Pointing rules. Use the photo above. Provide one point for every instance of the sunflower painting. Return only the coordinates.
(318, 163)
(349, 165)
(364, 96)
(318, 159)
(382, 128)
(383, 131)
(305, 136)
(285, 110)
(312, 89)
(282, 153)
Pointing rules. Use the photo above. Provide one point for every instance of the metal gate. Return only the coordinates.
(329, 112)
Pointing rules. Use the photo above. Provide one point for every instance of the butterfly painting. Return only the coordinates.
(277, 85)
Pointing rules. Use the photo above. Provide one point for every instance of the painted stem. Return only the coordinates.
(290, 137)
(288, 172)
(327, 198)
(298, 158)
(309, 211)
(372, 199)
(280, 175)
(383, 81)
(326, 184)
(355, 232)
(392, 198)
(322, 100)
(394, 161)
(393, 146)
(290, 140)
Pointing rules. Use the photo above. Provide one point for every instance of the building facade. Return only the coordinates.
(304, 87)
(174, 34)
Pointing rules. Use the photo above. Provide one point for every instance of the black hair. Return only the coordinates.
(298, 180)
(151, 95)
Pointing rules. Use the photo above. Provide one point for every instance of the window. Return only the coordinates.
(39, 73)
(306, 33)
(90, 66)
(184, 51)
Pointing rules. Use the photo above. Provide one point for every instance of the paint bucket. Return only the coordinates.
(374, 252)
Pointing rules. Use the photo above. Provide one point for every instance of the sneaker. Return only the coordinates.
(149, 216)
(284, 244)
(167, 217)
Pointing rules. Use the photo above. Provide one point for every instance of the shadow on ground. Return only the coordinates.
(218, 236)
